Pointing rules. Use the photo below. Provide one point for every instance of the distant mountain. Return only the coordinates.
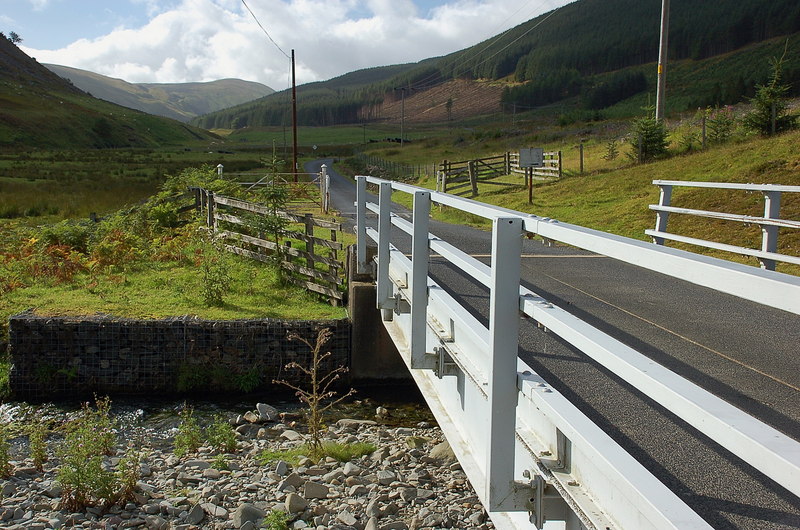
(39, 109)
(594, 53)
(180, 101)
(337, 100)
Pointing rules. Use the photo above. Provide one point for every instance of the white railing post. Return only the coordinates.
(504, 337)
(384, 284)
(361, 224)
(664, 199)
(419, 277)
(323, 187)
(769, 234)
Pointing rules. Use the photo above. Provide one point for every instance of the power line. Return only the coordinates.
(264, 30)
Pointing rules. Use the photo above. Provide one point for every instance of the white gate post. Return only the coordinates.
(323, 187)
(419, 277)
(504, 337)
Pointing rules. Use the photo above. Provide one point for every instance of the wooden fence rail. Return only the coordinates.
(316, 265)
(456, 176)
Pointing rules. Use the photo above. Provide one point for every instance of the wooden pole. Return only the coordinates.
(529, 176)
(662, 61)
(294, 122)
(473, 177)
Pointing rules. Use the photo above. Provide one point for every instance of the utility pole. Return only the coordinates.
(402, 115)
(662, 61)
(294, 122)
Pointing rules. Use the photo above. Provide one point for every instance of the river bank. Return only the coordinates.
(411, 481)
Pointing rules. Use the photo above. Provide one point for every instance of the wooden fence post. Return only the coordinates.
(210, 208)
(332, 269)
(529, 178)
(559, 164)
(309, 222)
(507, 162)
(473, 177)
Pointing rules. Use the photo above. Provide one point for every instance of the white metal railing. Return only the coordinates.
(770, 222)
(563, 467)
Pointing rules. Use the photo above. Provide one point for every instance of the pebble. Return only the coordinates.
(412, 480)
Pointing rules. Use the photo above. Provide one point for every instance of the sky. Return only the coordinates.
(177, 41)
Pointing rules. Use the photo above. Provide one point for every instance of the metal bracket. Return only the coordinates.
(444, 363)
(395, 304)
(562, 463)
(544, 502)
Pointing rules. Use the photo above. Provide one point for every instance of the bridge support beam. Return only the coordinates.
(503, 331)
(373, 355)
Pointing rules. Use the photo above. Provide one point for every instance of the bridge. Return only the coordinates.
(649, 388)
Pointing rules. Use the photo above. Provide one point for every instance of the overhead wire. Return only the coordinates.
(264, 30)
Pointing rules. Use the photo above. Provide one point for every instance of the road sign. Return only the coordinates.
(531, 157)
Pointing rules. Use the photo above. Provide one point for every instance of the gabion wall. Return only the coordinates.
(76, 356)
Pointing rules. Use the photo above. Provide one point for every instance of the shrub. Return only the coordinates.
(318, 395)
(648, 138)
(37, 435)
(216, 279)
(770, 112)
(189, 438)
(720, 124)
(221, 436)
(85, 481)
(277, 520)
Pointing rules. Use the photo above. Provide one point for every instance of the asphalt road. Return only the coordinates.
(743, 352)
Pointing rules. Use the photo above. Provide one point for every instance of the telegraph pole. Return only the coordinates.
(294, 122)
(662, 61)
(402, 114)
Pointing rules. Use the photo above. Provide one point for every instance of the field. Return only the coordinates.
(75, 183)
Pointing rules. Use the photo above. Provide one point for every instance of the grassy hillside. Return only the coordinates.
(40, 109)
(613, 195)
(180, 101)
(591, 54)
(323, 103)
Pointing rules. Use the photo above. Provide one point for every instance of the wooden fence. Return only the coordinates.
(455, 177)
(304, 194)
(315, 263)
(394, 170)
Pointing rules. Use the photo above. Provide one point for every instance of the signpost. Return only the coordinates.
(529, 158)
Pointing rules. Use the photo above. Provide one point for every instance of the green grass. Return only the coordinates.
(166, 289)
(613, 195)
(58, 184)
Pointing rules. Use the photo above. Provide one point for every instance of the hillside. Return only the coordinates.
(180, 101)
(591, 54)
(40, 109)
(332, 102)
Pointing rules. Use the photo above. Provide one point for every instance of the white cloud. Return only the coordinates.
(39, 5)
(203, 40)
